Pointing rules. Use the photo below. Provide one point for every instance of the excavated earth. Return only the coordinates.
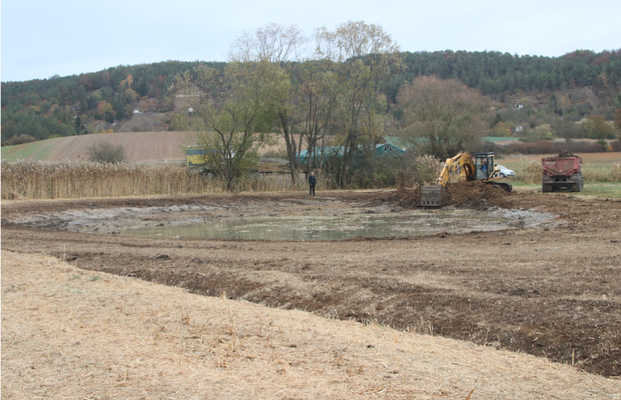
(552, 289)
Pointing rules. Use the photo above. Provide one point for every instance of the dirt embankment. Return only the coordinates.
(552, 292)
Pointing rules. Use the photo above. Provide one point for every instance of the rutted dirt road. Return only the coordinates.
(552, 291)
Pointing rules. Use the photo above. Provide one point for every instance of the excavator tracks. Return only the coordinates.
(503, 185)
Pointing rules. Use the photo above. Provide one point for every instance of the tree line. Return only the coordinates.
(336, 94)
(63, 106)
(496, 73)
(333, 104)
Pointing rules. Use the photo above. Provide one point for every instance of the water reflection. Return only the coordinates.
(332, 227)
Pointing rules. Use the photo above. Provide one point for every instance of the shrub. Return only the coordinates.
(412, 170)
(428, 169)
(106, 152)
(21, 139)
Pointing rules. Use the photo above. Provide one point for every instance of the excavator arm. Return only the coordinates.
(462, 163)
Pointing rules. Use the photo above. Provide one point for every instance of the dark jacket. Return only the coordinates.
(312, 179)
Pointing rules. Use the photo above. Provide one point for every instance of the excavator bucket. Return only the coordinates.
(431, 195)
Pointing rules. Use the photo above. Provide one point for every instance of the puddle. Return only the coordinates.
(414, 223)
(284, 220)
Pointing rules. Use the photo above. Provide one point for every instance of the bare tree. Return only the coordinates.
(316, 100)
(276, 44)
(364, 55)
(353, 39)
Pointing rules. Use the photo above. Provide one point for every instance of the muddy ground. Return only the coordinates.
(552, 289)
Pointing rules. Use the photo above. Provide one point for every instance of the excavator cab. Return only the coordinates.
(484, 165)
(481, 167)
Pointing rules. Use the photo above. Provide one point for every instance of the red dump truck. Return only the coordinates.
(562, 172)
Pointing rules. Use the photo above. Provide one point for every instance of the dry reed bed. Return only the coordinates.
(69, 334)
(36, 180)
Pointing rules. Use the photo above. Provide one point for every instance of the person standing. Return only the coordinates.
(312, 181)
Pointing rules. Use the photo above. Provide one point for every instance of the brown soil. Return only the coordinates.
(474, 195)
(552, 291)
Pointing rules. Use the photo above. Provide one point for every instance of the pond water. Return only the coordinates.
(304, 228)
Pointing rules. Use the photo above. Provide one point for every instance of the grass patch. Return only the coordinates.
(21, 151)
(524, 185)
(606, 190)
(602, 173)
(40, 150)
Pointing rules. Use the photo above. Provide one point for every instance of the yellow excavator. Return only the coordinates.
(481, 168)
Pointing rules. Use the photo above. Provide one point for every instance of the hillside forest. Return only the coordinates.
(353, 93)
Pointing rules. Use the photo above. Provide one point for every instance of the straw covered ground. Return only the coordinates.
(68, 333)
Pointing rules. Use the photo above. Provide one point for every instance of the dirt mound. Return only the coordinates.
(475, 195)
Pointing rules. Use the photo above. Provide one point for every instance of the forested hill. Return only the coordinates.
(89, 102)
(105, 100)
(498, 73)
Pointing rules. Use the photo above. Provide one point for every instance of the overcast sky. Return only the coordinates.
(42, 38)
